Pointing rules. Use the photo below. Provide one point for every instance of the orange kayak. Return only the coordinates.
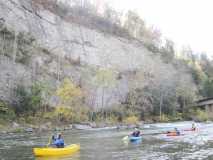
(190, 129)
(174, 134)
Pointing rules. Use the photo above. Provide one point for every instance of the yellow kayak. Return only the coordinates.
(68, 150)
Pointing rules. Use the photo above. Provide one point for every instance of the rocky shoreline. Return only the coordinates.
(29, 128)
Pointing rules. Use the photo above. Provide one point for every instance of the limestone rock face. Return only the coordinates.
(69, 50)
(71, 40)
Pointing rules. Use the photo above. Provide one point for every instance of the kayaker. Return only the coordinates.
(136, 133)
(177, 131)
(59, 141)
(193, 127)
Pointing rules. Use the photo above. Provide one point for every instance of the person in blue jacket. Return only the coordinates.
(58, 142)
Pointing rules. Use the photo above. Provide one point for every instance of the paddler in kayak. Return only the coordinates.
(58, 142)
(193, 127)
(136, 133)
(177, 132)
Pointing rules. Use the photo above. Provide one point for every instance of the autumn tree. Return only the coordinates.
(70, 107)
(68, 91)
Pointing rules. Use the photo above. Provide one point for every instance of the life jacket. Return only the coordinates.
(59, 143)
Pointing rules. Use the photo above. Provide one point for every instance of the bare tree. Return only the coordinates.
(15, 46)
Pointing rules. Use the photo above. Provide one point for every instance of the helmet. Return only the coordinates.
(59, 135)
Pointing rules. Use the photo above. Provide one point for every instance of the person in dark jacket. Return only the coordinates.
(177, 131)
(193, 127)
(136, 133)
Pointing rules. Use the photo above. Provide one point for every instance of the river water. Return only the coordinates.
(108, 144)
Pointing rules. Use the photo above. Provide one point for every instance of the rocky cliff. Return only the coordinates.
(37, 44)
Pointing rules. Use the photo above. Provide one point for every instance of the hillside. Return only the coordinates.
(108, 73)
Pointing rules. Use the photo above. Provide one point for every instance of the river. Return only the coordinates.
(108, 144)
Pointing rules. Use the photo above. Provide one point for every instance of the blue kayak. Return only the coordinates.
(133, 139)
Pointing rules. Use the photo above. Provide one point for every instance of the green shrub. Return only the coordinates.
(201, 115)
(21, 120)
(164, 118)
(69, 114)
(28, 100)
(31, 119)
(18, 130)
(49, 115)
(6, 113)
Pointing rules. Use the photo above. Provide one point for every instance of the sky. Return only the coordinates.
(186, 22)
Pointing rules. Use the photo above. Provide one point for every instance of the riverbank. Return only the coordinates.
(15, 127)
(40, 125)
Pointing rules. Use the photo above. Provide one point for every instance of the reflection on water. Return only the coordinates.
(108, 145)
(75, 156)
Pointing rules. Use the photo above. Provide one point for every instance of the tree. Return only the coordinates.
(151, 37)
(198, 74)
(27, 101)
(134, 24)
(208, 88)
(186, 94)
(70, 107)
(105, 80)
(168, 51)
(68, 91)
(139, 102)
(112, 15)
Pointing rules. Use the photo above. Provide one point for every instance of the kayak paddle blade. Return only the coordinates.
(125, 138)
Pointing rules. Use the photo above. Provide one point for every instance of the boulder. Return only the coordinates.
(3, 132)
(15, 125)
(101, 125)
(69, 127)
(92, 124)
(43, 128)
(81, 127)
(122, 127)
(28, 130)
(140, 124)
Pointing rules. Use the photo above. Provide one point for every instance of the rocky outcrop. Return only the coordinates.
(70, 40)
(81, 127)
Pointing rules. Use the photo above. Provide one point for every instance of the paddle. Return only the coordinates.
(49, 142)
(125, 138)
(146, 134)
